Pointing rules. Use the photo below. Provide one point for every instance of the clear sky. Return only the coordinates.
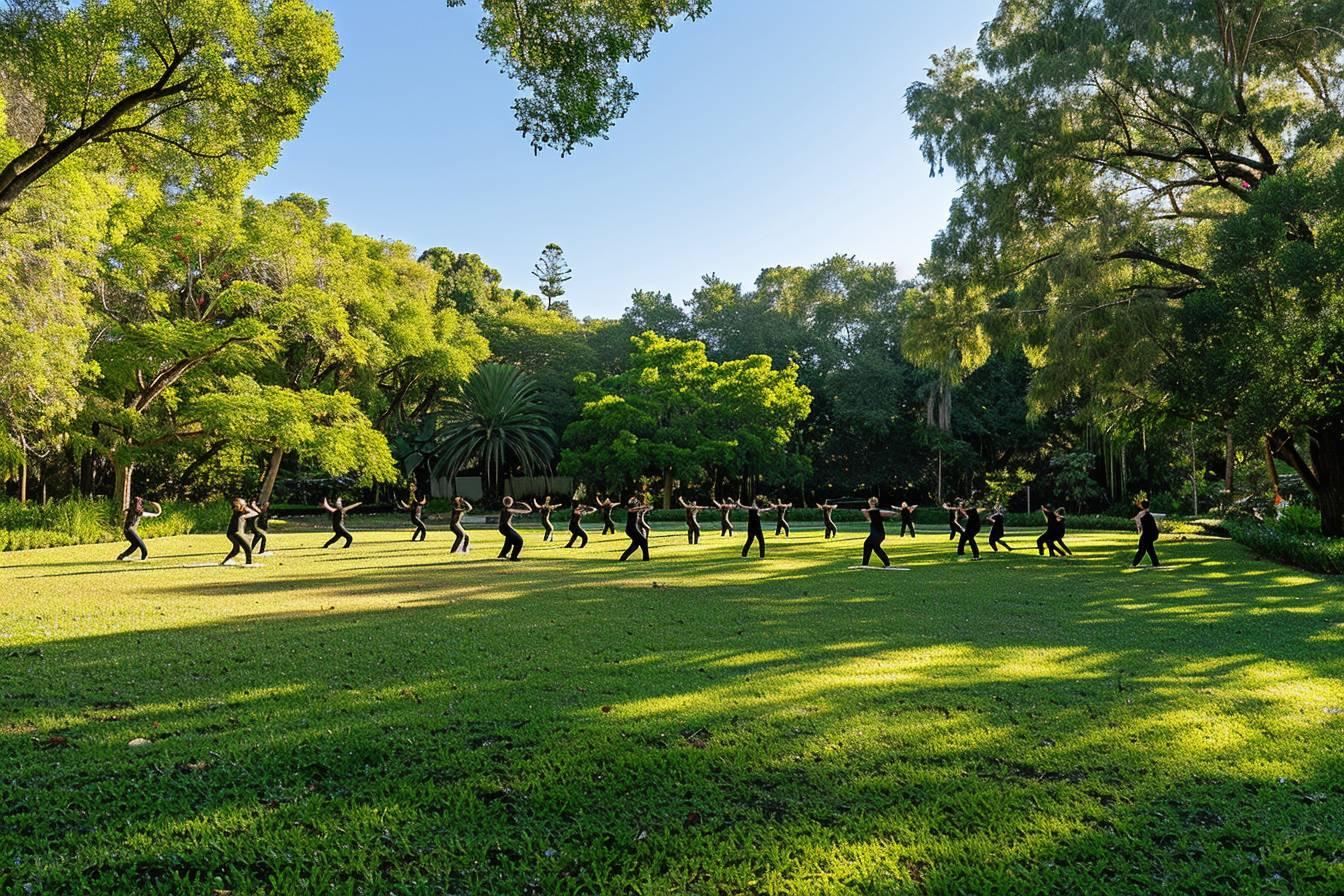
(771, 132)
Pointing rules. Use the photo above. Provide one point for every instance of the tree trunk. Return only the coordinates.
(1271, 465)
(272, 471)
(667, 488)
(1327, 456)
(23, 482)
(121, 486)
(1229, 464)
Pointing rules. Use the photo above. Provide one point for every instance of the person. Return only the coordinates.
(877, 533)
(606, 505)
(1146, 525)
(576, 530)
(636, 529)
(130, 528)
(461, 540)
(726, 509)
(513, 542)
(782, 518)
(953, 527)
(754, 530)
(1060, 526)
(970, 528)
(996, 521)
(417, 509)
(908, 518)
(242, 512)
(1047, 539)
(260, 526)
(692, 523)
(544, 509)
(826, 511)
(338, 512)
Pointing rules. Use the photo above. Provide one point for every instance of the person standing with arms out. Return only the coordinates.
(1047, 539)
(130, 528)
(338, 512)
(692, 523)
(970, 528)
(754, 530)
(908, 518)
(1060, 525)
(417, 509)
(877, 533)
(782, 518)
(726, 509)
(606, 505)
(461, 540)
(544, 509)
(635, 529)
(953, 526)
(242, 512)
(513, 542)
(576, 531)
(996, 520)
(260, 528)
(826, 511)
(1146, 525)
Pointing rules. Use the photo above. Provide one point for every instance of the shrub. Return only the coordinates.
(1289, 545)
(73, 521)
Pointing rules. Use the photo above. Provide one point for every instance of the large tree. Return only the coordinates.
(200, 91)
(1101, 146)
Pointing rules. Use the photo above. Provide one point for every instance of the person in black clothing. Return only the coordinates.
(636, 529)
(726, 509)
(877, 533)
(826, 511)
(953, 526)
(970, 528)
(544, 509)
(417, 509)
(131, 527)
(461, 540)
(242, 512)
(754, 530)
(576, 530)
(782, 518)
(338, 512)
(996, 520)
(260, 524)
(1047, 539)
(513, 542)
(606, 505)
(1146, 525)
(692, 523)
(908, 518)
(1060, 525)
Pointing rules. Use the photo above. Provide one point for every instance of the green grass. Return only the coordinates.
(392, 720)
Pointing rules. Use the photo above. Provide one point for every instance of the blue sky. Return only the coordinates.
(771, 132)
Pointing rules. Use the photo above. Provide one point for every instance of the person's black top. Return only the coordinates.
(996, 523)
(826, 512)
(876, 525)
(606, 513)
(1148, 523)
(545, 512)
(505, 516)
(337, 517)
(753, 517)
(262, 520)
(951, 517)
(690, 514)
(236, 524)
(906, 515)
(632, 524)
(973, 520)
(457, 516)
(1053, 525)
(416, 507)
(133, 518)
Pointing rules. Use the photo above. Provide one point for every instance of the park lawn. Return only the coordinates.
(390, 719)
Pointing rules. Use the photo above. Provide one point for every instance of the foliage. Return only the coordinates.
(552, 273)
(74, 521)
(1002, 486)
(1286, 543)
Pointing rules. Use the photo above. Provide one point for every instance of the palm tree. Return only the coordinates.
(496, 420)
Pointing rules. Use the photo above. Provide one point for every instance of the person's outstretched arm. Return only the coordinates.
(158, 511)
(326, 505)
(466, 506)
(350, 507)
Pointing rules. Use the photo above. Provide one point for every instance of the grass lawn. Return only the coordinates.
(390, 719)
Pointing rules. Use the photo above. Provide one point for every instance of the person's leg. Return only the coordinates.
(634, 545)
(236, 543)
(868, 546)
(573, 537)
(458, 536)
(517, 546)
(349, 539)
(332, 540)
(421, 530)
(247, 549)
(1139, 554)
(760, 543)
(1063, 548)
(993, 542)
(975, 548)
(583, 535)
(1152, 552)
(644, 546)
(504, 550)
(881, 554)
(747, 547)
(258, 541)
(1054, 548)
(961, 545)
(1040, 545)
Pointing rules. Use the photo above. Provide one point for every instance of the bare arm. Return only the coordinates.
(350, 507)
(466, 506)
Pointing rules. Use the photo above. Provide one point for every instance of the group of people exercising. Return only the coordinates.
(965, 522)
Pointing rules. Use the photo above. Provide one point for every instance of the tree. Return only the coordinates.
(495, 421)
(1101, 147)
(567, 59)
(945, 335)
(552, 274)
(202, 92)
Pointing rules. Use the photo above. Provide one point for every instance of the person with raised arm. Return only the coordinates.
(461, 540)
(781, 510)
(576, 530)
(242, 512)
(417, 508)
(826, 510)
(996, 522)
(953, 524)
(261, 527)
(692, 523)
(970, 528)
(606, 505)
(130, 528)
(908, 518)
(726, 509)
(877, 533)
(1146, 525)
(338, 511)
(544, 509)
(754, 531)
(1061, 525)
(513, 542)
(1047, 538)
(635, 528)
